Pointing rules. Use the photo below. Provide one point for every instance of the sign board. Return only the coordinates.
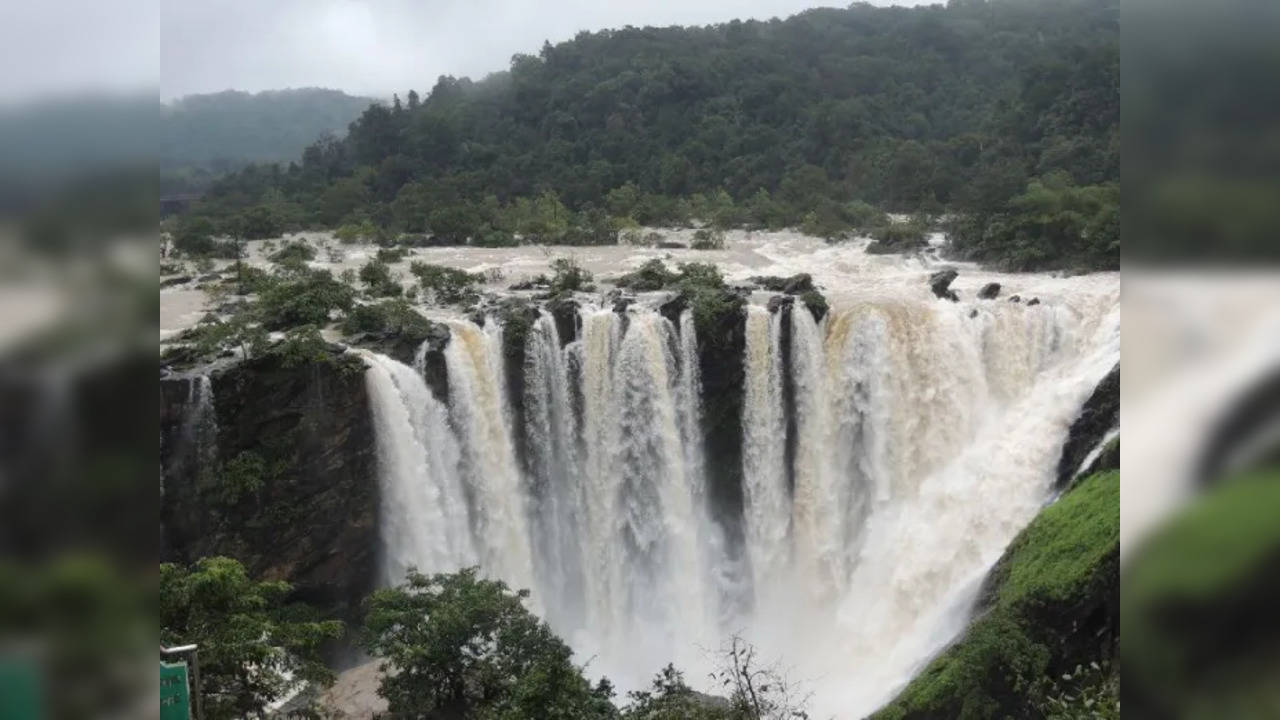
(20, 689)
(175, 693)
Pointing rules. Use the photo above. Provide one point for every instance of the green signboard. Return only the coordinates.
(20, 691)
(175, 695)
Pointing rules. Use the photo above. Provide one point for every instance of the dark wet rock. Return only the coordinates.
(816, 303)
(1108, 459)
(178, 357)
(539, 282)
(989, 291)
(973, 313)
(940, 284)
(780, 302)
(313, 520)
(794, 285)
(564, 310)
(210, 277)
(1033, 301)
(673, 307)
(798, 284)
(179, 280)
(672, 245)
(1098, 416)
(1015, 298)
(517, 317)
(621, 304)
(721, 326)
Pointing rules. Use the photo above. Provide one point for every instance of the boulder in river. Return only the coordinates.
(795, 285)
(989, 291)
(940, 283)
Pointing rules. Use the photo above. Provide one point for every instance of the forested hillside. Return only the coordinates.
(1003, 113)
(224, 131)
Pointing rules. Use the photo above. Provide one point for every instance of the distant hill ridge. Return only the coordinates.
(229, 129)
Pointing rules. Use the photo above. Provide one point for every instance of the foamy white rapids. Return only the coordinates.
(891, 451)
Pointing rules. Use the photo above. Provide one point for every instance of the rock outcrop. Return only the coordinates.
(286, 481)
(794, 285)
(990, 291)
(940, 284)
(1098, 416)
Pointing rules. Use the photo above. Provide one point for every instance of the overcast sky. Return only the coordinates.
(377, 47)
(371, 47)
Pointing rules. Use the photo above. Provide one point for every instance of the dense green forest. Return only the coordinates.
(1000, 117)
(205, 135)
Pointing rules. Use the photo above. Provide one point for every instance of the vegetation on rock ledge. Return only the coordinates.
(1050, 608)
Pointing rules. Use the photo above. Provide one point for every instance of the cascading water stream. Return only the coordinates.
(424, 510)
(766, 497)
(481, 417)
(924, 438)
(558, 512)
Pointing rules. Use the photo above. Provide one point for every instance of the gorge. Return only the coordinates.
(832, 487)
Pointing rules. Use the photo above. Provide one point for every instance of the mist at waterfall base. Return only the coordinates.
(923, 437)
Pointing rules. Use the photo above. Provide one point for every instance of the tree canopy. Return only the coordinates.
(253, 645)
(767, 123)
(460, 646)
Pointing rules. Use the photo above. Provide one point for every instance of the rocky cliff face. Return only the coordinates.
(1099, 415)
(281, 475)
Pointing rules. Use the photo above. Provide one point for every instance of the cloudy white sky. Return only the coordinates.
(372, 47)
(378, 47)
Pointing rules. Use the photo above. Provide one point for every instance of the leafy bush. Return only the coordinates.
(294, 251)
(365, 231)
(306, 298)
(897, 238)
(492, 237)
(569, 277)
(445, 285)
(242, 476)
(214, 336)
(391, 255)
(301, 346)
(863, 217)
(258, 223)
(193, 235)
(388, 317)
(653, 275)
(457, 645)
(253, 647)
(376, 275)
(1053, 225)
(708, 239)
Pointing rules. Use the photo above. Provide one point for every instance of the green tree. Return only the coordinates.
(251, 642)
(307, 298)
(669, 698)
(460, 646)
(193, 235)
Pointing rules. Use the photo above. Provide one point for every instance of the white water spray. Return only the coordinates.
(925, 436)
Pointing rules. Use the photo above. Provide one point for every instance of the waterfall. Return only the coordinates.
(820, 495)
(890, 452)
(766, 498)
(200, 426)
(424, 518)
(557, 511)
(480, 413)
(648, 539)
